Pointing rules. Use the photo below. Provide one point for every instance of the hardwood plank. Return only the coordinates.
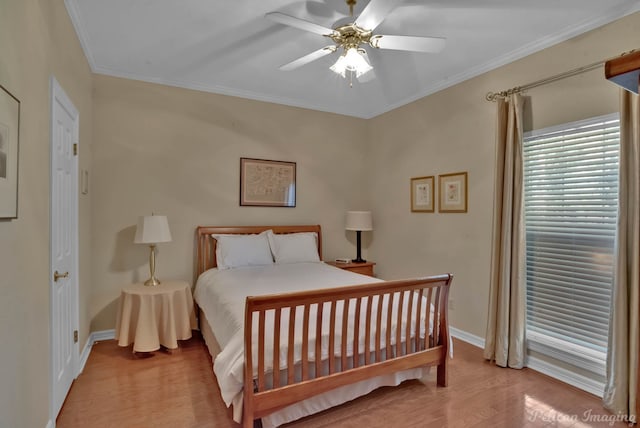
(118, 389)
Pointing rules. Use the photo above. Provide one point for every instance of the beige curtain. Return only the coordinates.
(622, 356)
(505, 342)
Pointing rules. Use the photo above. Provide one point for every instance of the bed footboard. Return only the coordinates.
(302, 344)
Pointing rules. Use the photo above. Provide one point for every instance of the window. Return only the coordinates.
(571, 210)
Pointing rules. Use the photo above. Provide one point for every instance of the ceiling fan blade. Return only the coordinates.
(292, 21)
(375, 12)
(308, 58)
(408, 43)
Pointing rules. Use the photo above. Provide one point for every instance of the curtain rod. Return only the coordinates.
(493, 96)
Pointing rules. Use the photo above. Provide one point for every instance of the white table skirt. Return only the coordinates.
(150, 316)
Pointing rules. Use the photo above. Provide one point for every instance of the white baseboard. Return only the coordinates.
(50, 424)
(574, 379)
(467, 337)
(84, 355)
(93, 338)
(103, 335)
(566, 376)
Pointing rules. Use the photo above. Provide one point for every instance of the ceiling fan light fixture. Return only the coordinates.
(352, 38)
(351, 61)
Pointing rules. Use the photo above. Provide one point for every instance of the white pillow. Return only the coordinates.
(294, 247)
(233, 251)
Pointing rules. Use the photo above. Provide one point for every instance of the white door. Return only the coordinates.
(64, 245)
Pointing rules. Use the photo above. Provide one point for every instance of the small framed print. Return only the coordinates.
(9, 139)
(453, 193)
(422, 194)
(267, 183)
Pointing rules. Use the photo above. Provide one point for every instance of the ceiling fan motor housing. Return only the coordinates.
(350, 36)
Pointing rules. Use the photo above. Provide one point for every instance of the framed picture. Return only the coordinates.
(453, 193)
(267, 183)
(9, 141)
(422, 194)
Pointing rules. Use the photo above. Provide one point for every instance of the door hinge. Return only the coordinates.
(75, 336)
(75, 149)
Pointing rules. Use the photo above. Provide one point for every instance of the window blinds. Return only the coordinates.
(571, 203)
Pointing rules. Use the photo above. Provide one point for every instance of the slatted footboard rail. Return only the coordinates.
(404, 327)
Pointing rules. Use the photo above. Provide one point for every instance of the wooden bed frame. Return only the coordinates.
(266, 393)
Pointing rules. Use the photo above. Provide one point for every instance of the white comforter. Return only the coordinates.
(221, 295)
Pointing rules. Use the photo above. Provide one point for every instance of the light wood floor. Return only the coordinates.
(179, 390)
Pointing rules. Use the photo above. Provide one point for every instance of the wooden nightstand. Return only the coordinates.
(365, 268)
(151, 316)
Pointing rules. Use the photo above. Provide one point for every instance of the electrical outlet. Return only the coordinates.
(451, 305)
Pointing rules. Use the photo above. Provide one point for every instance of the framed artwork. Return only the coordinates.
(9, 141)
(422, 194)
(453, 193)
(267, 183)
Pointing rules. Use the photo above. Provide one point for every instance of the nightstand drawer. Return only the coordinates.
(364, 270)
(361, 268)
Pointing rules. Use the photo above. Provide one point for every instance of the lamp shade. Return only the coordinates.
(152, 229)
(359, 220)
(352, 61)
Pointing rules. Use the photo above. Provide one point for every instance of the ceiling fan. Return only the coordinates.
(353, 36)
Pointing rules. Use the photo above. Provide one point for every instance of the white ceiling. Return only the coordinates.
(229, 47)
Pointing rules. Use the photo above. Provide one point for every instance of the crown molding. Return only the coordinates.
(232, 92)
(83, 37)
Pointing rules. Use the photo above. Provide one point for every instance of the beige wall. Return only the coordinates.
(36, 40)
(177, 152)
(453, 131)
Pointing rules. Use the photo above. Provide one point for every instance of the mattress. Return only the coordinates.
(221, 296)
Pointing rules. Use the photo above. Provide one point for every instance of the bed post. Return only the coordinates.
(247, 417)
(443, 374)
(247, 402)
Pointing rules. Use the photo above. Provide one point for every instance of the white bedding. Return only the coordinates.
(221, 296)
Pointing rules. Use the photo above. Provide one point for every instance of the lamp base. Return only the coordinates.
(358, 258)
(152, 281)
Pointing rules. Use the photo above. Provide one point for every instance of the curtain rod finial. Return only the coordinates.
(490, 96)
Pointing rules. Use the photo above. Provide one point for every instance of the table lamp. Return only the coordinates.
(152, 230)
(359, 221)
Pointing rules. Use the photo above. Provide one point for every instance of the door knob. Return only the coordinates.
(57, 275)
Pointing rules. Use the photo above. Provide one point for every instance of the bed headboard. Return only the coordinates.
(206, 245)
